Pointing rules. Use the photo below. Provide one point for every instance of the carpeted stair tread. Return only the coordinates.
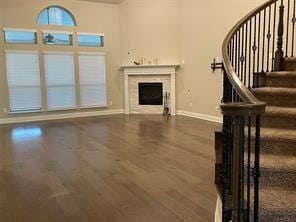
(285, 163)
(275, 91)
(277, 205)
(281, 111)
(290, 64)
(278, 173)
(281, 74)
(277, 188)
(272, 133)
(281, 79)
(276, 141)
(279, 117)
(276, 96)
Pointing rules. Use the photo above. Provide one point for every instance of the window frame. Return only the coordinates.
(59, 25)
(100, 35)
(34, 31)
(71, 34)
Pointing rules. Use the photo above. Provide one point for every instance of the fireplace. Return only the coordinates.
(150, 93)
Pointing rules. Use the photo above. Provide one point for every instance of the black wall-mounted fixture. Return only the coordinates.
(216, 65)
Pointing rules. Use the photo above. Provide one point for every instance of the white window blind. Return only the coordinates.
(60, 82)
(23, 78)
(92, 80)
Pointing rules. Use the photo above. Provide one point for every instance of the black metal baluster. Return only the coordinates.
(256, 170)
(250, 52)
(293, 27)
(249, 169)
(268, 38)
(273, 34)
(232, 51)
(237, 61)
(242, 53)
(245, 56)
(254, 48)
(239, 51)
(287, 33)
(263, 41)
(258, 49)
(236, 51)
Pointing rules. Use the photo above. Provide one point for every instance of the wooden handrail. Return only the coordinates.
(252, 104)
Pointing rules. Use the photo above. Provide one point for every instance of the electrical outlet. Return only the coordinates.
(4, 110)
(110, 103)
(190, 104)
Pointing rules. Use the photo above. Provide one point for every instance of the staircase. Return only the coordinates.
(256, 151)
(278, 146)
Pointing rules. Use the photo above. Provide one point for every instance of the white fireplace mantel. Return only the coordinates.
(156, 70)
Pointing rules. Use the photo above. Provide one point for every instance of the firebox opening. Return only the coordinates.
(150, 93)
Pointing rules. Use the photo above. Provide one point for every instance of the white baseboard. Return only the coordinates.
(24, 119)
(218, 212)
(215, 119)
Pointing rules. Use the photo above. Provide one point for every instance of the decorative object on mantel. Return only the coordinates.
(142, 61)
(156, 61)
(166, 109)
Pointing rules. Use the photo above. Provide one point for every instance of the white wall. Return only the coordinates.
(90, 17)
(172, 30)
(149, 29)
(183, 30)
(204, 25)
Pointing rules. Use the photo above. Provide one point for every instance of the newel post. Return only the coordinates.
(279, 54)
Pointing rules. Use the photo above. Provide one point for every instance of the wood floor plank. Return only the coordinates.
(138, 168)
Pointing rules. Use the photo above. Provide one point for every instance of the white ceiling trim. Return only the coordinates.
(105, 1)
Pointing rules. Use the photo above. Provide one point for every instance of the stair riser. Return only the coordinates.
(288, 82)
(277, 100)
(290, 66)
(278, 147)
(279, 122)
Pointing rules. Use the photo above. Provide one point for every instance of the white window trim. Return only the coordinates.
(93, 107)
(89, 33)
(56, 32)
(92, 53)
(22, 51)
(58, 52)
(19, 30)
(61, 109)
(25, 111)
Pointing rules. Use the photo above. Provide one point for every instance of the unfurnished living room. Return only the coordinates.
(147, 111)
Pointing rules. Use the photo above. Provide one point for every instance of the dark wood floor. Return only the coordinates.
(116, 168)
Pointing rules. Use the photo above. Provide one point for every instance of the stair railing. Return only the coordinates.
(254, 47)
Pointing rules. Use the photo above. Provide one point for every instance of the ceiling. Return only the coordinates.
(106, 1)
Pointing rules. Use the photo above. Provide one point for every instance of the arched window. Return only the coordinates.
(55, 15)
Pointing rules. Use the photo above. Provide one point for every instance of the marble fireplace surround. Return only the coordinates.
(166, 74)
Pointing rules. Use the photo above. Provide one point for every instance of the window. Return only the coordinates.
(85, 39)
(60, 82)
(55, 15)
(92, 79)
(23, 78)
(57, 38)
(20, 36)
